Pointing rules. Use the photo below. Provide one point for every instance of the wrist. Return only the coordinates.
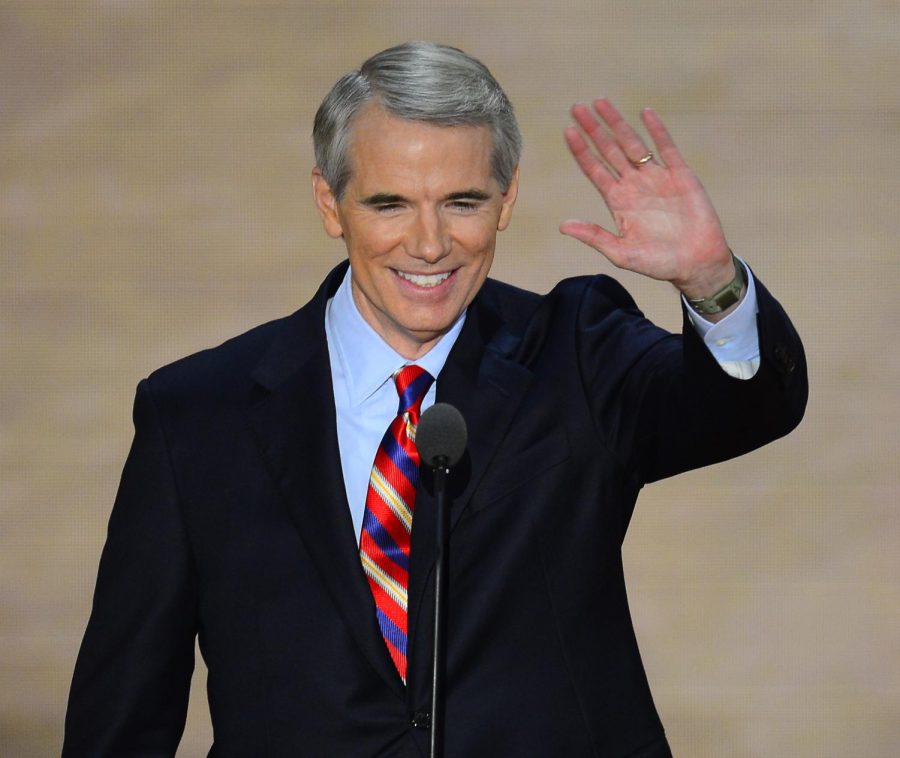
(707, 278)
(718, 294)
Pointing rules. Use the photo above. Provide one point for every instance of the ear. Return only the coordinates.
(509, 200)
(327, 205)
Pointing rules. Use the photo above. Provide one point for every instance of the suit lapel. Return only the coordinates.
(295, 425)
(483, 381)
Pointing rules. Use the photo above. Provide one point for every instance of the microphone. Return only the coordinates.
(441, 436)
(441, 440)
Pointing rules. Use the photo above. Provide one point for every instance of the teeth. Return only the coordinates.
(421, 280)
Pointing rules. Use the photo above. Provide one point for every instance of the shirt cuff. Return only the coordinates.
(733, 341)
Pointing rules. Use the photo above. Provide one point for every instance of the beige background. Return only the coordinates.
(154, 200)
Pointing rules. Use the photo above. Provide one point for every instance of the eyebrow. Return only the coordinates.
(387, 198)
(382, 198)
(469, 194)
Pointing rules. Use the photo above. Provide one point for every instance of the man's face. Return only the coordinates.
(420, 217)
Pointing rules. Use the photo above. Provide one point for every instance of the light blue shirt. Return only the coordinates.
(733, 341)
(365, 398)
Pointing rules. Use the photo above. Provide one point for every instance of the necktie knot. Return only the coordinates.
(412, 384)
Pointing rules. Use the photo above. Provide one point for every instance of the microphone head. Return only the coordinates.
(441, 433)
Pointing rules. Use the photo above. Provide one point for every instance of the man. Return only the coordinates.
(250, 511)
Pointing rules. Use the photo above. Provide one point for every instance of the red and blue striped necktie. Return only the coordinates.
(387, 523)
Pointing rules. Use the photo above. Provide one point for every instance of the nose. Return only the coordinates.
(432, 242)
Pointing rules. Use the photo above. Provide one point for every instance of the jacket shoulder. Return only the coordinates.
(217, 371)
(518, 306)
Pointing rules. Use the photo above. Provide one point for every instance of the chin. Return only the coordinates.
(431, 327)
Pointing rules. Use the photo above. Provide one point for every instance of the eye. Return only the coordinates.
(465, 206)
(387, 208)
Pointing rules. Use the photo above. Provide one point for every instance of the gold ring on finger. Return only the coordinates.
(642, 160)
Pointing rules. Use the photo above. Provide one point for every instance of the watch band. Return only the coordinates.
(725, 297)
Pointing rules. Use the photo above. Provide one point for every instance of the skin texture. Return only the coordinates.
(421, 200)
(667, 227)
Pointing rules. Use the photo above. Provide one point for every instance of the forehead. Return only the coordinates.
(387, 148)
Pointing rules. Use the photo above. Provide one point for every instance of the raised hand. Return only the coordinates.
(667, 226)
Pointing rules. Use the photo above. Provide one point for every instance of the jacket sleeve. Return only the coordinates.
(131, 684)
(667, 406)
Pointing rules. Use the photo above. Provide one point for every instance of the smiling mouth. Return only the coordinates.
(425, 280)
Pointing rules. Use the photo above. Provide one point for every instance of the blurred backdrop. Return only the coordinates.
(154, 200)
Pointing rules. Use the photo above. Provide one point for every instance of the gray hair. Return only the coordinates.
(419, 81)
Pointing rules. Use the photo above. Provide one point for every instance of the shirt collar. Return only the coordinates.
(366, 359)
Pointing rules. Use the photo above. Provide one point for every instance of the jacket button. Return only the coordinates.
(421, 720)
(785, 359)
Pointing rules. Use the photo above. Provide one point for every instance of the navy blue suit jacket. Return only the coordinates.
(231, 522)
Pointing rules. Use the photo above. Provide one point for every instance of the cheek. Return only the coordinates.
(370, 231)
(477, 240)
(481, 255)
(370, 245)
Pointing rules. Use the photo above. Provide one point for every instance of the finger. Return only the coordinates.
(629, 141)
(605, 144)
(665, 145)
(596, 236)
(592, 167)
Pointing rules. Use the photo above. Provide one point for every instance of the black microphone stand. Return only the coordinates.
(440, 602)
(441, 439)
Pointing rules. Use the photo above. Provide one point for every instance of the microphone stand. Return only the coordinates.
(441, 439)
(440, 601)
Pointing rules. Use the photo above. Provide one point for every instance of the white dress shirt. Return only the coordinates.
(366, 400)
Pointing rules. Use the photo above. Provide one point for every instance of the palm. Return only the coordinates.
(667, 227)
